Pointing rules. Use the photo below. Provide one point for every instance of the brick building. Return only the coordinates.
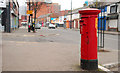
(47, 11)
(48, 8)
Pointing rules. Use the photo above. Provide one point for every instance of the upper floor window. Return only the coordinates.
(113, 9)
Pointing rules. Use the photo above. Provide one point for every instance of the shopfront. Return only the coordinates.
(2, 5)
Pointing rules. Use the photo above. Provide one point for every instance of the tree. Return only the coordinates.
(36, 7)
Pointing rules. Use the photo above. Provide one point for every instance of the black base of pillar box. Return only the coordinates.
(89, 64)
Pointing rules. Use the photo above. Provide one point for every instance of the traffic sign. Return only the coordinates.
(29, 12)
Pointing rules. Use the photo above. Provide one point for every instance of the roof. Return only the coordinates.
(75, 11)
(64, 12)
(43, 16)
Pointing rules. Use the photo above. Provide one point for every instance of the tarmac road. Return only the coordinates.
(48, 50)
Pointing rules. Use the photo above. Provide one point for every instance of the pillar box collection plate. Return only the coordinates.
(88, 31)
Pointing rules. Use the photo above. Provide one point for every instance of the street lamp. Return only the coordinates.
(29, 19)
(71, 16)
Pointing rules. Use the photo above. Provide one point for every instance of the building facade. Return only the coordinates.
(113, 17)
(2, 5)
(75, 18)
(48, 11)
(45, 9)
(10, 16)
(62, 17)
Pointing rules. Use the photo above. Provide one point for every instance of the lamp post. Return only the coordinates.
(29, 19)
(8, 24)
(71, 16)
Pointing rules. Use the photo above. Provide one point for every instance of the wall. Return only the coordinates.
(14, 15)
(113, 23)
(119, 23)
(48, 8)
(75, 16)
(119, 17)
(68, 17)
(107, 21)
(61, 20)
(0, 46)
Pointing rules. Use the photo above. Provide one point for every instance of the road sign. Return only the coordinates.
(29, 12)
(2, 3)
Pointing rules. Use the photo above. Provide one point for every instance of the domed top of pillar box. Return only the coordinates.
(89, 11)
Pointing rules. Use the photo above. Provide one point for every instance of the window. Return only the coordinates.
(113, 9)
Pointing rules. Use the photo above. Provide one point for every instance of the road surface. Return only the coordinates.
(48, 50)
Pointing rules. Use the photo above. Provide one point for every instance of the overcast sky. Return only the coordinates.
(65, 4)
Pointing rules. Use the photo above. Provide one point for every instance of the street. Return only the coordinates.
(49, 50)
(111, 41)
(55, 35)
(46, 50)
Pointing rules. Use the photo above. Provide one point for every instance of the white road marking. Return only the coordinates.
(104, 69)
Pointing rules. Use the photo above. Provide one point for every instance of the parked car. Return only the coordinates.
(51, 26)
(37, 26)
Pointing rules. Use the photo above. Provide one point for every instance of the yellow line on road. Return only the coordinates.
(22, 42)
(28, 35)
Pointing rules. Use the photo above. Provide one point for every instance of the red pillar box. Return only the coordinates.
(88, 31)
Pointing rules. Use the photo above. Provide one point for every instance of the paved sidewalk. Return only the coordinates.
(108, 57)
(0, 51)
(109, 60)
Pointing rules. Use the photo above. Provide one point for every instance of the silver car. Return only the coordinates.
(37, 26)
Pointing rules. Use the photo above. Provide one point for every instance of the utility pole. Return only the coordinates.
(71, 16)
(8, 24)
(29, 19)
(65, 19)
